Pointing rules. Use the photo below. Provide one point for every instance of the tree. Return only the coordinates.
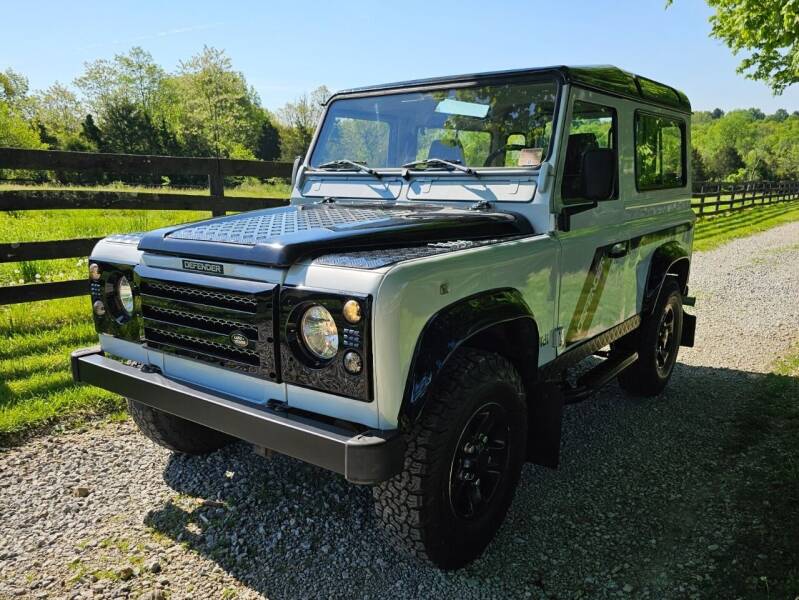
(766, 31)
(16, 131)
(698, 167)
(725, 163)
(13, 87)
(717, 113)
(133, 78)
(779, 115)
(299, 120)
(268, 145)
(57, 113)
(218, 113)
(91, 133)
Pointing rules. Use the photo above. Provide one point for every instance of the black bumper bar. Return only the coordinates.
(368, 457)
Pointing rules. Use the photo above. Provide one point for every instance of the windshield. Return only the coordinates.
(501, 125)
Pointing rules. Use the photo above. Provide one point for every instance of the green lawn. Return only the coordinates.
(36, 387)
(716, 230)
(41, 225)
(36, 390)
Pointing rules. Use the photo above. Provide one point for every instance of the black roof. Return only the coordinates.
(603, 78)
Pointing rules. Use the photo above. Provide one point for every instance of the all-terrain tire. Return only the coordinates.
(657, 342)
(422, 508)
(174, 433)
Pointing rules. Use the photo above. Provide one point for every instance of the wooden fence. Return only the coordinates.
(708, 198)
(713, 198)
(213, 200)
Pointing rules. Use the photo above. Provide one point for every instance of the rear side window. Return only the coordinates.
(659, 152)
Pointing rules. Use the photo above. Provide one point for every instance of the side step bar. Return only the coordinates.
(597, 377)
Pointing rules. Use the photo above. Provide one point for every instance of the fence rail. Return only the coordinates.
(213, 200)
(714, 198)
(707, 199)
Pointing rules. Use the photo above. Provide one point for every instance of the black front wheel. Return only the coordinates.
(462, 465)
(657, 342)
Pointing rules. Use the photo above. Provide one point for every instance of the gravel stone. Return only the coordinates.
(639, 502)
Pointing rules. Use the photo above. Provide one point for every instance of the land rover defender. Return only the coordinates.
(452, 249)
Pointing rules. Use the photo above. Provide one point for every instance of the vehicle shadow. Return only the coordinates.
(645, 487)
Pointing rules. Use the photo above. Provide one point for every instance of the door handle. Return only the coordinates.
(618, 250)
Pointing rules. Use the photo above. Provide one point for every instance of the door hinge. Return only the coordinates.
(557, 337)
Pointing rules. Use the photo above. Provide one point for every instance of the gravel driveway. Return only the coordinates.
(639, 508)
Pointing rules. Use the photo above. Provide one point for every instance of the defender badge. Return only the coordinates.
(203, 267)
(239, 340)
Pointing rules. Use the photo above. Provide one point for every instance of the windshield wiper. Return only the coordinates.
(345, 164)
(452, 166)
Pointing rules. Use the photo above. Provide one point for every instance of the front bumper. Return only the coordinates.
(368, 457)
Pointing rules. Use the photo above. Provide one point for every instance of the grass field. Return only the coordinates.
(36, 390)
(716, 230)
(40, 225)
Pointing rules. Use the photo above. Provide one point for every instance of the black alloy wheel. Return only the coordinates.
(480, 461)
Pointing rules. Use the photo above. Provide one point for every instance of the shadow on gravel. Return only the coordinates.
(685, 495)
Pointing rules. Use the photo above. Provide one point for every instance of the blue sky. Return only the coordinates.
(285, 48)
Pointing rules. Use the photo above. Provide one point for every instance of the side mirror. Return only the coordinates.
(598, 174)
(294, 170)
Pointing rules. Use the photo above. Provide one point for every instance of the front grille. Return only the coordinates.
(196, 316)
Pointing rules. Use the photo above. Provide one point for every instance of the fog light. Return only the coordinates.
(353, 363)
(94, 271)
(99, 308)
(352, 311)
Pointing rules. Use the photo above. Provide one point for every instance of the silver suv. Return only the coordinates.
(453, 247)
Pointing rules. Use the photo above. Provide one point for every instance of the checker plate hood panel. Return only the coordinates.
(279, 237)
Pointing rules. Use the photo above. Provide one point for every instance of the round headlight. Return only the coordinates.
(125, 295)
(319, 332)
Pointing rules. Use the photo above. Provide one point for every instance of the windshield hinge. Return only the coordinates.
(327, 200)
(481, 205)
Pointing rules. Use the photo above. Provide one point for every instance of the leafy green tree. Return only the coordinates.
(15, 130)
(57, 114)
(779, 115)
(698, 167)
(133, 77)
(268, 145)
(766, 31)
(717, 113)
(299, 120)
(219, 114)
(129, 129)
(91, 133)
(726, 162)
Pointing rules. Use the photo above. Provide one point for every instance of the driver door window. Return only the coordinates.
(592, 127)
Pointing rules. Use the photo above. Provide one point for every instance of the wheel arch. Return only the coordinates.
(500, 321)
(671, 259)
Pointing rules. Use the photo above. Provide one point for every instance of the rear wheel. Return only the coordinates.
(463, 462)
(657, 342)
(174, 433)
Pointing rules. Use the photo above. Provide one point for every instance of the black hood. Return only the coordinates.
(278, 237)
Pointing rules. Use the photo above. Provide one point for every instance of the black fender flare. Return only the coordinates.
(670, 259)
(450, 328)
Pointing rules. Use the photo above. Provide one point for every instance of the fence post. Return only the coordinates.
(702, 199)
(216, 184)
